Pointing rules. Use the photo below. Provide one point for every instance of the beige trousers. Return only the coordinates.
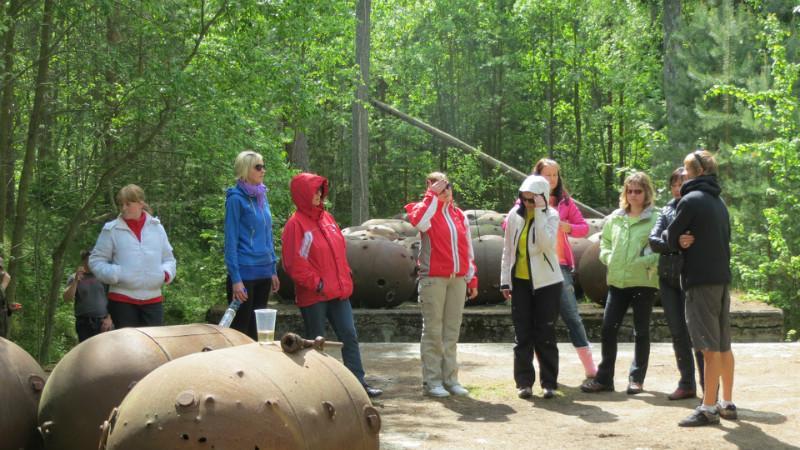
(442, 303)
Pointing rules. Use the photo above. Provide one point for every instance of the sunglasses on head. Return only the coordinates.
(635, 191)
(260, 167)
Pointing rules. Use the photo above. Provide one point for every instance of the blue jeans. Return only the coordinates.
(641, 300)
(340, 315)
(569, 311)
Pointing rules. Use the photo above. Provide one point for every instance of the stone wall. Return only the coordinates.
(750, 322)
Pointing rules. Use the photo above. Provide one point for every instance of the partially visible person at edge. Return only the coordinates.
(447, 277)
(701, 231)
(571, 224)
(672, 296)
(5, 309)
(531, 277)
(134, 257)
(315, 257)
(249, 250)
(91, 302)
(632, 281)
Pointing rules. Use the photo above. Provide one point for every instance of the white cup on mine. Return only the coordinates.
(265, 324)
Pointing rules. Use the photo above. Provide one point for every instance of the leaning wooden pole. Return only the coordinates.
(455, 142)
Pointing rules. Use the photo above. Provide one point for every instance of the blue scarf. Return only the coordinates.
(254, 190)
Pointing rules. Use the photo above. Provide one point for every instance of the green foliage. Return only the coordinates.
(766, 182)
(579, 81)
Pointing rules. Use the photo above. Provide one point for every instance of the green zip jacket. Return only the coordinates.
(624, 248)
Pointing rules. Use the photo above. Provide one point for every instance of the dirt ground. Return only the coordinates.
(767, 394)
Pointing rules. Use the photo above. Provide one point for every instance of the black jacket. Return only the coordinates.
(670, 262)
(702, 213)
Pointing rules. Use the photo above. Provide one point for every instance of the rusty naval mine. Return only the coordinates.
(255, 396)
(95, 376)
(21, 384)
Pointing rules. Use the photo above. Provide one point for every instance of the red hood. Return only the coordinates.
(303, 187)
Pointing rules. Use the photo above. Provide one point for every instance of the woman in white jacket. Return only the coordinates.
(134, 257)
(531, 277)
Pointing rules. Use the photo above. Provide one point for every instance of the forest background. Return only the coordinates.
(97, 94)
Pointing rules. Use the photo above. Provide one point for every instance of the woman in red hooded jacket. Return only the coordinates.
(315, 257)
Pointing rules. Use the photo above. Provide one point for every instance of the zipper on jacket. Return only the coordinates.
(453, 239)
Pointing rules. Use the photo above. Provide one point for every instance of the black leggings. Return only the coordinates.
(129, 315)
(257, 295)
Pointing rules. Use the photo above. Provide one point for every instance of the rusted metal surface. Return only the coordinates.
(384, 272)
(21, 382)
(402, 227)
(97, 374)
(293, 343)
(592, 273)
(488, 252)
(249, 397)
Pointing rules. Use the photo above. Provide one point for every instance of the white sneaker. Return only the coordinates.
(437, 391)
(458, 389)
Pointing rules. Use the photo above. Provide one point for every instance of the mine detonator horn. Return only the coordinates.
(293, 342)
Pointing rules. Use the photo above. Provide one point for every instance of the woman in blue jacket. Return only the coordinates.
(249, 250)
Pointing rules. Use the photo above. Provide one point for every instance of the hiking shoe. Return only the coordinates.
(524, 393)
(681, 393)
(437, 391)
(548, 393)
(458, 389)
(634, 388)
(372, 392)
(727, 412)
(593, 386)
(699, 417)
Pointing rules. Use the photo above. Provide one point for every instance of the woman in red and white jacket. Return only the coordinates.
(446, 272)
(315, 257)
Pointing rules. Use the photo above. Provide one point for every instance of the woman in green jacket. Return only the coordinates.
(632, 281)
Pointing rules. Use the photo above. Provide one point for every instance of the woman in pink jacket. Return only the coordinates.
(572, 224)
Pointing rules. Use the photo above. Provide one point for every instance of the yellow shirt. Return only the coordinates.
(521, 267)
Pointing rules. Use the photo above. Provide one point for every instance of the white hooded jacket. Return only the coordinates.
(132, 268)
(542, 257)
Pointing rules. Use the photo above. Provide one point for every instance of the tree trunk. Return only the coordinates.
(621, 162)
(576, 95)
(609, 154)
(7, 121)
(298, 151)
(359, 182)
(37, 113)
(671, 19)
(551, 87)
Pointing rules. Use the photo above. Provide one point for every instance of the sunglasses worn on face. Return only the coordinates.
(635, 191)
(529, 200)
(260, 167)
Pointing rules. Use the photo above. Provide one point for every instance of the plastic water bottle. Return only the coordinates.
(229, 314)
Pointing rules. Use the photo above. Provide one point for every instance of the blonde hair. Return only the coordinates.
(132, 194)
(245, 161)
(641, 179)
(701, 160)
(433, 177)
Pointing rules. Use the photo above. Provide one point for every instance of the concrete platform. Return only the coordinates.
(750, 322)
(767, 395)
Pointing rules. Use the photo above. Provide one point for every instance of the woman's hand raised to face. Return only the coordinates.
(439, 186)
(539, 201)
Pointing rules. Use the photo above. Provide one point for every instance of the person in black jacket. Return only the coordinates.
(672, 296)
(701, 231)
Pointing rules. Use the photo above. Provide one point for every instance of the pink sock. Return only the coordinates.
(585, 355)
